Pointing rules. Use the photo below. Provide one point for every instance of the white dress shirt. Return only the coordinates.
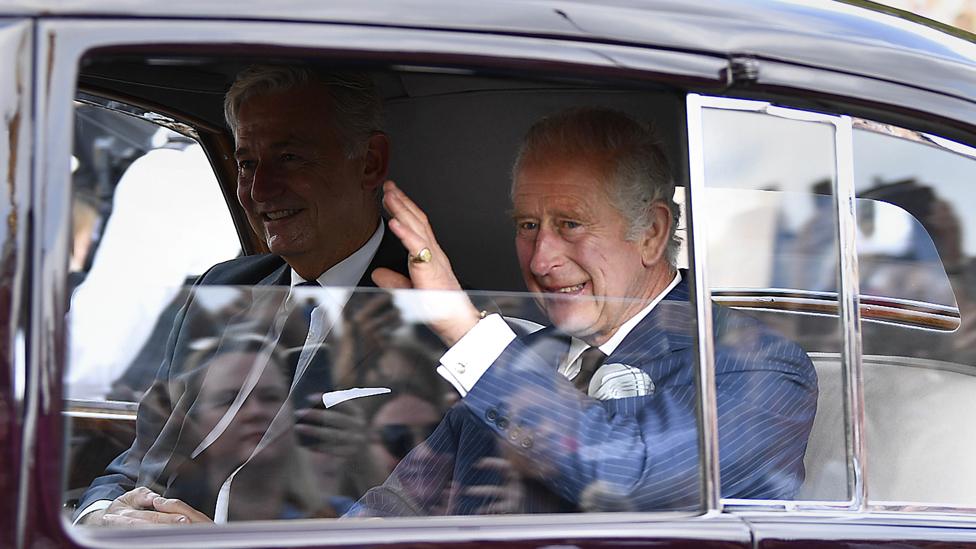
(348, 272)
(464, 363)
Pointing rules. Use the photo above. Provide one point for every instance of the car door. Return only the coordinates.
(130, 60)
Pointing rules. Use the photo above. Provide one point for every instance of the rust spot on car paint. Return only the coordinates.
(13, 131)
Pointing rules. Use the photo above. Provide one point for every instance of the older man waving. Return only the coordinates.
(596, 412)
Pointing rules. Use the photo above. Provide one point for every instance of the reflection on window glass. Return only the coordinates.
(918, 249)
(143, 197)
(275, 403)
(772, 249)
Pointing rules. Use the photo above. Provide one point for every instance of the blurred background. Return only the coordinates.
(958, 13)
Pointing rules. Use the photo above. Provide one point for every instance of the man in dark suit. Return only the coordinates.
(598, 411)
(311, 157)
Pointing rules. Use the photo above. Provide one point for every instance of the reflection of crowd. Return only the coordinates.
(375, 348)
(277, 480)
(910, 248)
(276, 452)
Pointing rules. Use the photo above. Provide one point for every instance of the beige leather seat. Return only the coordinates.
(920, 432)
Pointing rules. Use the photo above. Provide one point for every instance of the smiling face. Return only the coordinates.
(312, 204)
(572, 247)
(225, 375)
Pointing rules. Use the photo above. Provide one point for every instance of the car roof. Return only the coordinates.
(716, 26)
(865, 39)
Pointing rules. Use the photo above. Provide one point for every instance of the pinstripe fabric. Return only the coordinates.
(639, 453)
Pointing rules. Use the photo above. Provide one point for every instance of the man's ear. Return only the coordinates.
(376, 161)
(654, 241)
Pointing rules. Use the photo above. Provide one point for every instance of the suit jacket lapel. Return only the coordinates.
(278, 277)
(668, 328)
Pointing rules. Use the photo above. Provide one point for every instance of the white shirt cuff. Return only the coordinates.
(464, 363)
(95, 506)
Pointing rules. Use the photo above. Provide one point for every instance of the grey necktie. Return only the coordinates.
(295, 329)
(590, 360)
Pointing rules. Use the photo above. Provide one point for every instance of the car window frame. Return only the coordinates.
(849, 314)
(64, 41)
(75, 37)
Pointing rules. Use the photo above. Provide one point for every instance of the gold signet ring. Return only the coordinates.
(423, 256)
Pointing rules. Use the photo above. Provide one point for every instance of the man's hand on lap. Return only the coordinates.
(143, 506)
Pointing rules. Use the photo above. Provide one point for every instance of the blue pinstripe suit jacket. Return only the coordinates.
(571, 452)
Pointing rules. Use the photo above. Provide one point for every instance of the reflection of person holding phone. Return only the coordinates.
(399, 425)
(271, 479)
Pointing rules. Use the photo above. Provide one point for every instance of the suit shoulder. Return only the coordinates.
(743, 335)
(249, 269)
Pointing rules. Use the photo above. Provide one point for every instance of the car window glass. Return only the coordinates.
(917, 260)
(772, 268)
(325, 402)
(231, 418)
(142, 196)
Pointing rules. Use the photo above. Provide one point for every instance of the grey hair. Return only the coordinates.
(358, 110)
(640, 174)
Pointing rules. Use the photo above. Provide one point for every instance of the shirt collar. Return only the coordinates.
(349, 271)
(577, 346)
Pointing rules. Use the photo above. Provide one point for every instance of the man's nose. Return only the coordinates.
(265, 183)
(546, 252)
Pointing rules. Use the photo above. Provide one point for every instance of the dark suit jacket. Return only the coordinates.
(159, 458)
(640, 453)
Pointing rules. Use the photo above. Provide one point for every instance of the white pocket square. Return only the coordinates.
(616, 380)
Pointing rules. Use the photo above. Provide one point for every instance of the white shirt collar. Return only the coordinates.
(576, 346)
(349, 271)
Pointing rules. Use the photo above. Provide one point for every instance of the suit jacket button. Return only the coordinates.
(526, 442)
(514, 434)
(502, 423)
(491, 415)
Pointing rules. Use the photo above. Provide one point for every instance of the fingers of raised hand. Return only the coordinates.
(379, 329)
(336, 442)
(373, 306)
(398, 203)
(408, 221)
(335, 432)
(347, 415)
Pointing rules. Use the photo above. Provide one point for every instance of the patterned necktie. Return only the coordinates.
(590, 360)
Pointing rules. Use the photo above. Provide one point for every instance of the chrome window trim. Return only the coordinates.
(918, 137)
(495, 528)
(844, 201)
(138, 113)
(697, 253)
(853, 379)
(61, 43)
(100, 409)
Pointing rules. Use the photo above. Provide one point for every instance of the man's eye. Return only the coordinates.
(571, 224)
(288, 157)
(245, 165)
(528, 225)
